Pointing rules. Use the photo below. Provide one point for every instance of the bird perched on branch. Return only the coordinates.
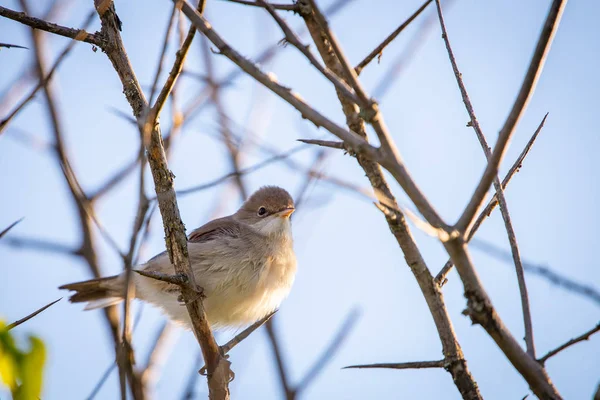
(244, 263)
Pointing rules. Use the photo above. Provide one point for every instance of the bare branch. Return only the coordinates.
(8, 228)
(9, 46)
(499, 192)
(527, 88)
(116, 178)
(378, 51)
(288, 391)
(33, 314)
(226, 348)
(219, 372)
(389, 158)
(177, 67)
(284, 7)
(87, 249)
(163, 53)
(405, 365)
(325, 143)
(587, 291)
(62, 56)
(41, 245)
(36, 23)
(291, 38)
(245, 171)
(334, 345)
(570, 343)
(456, 364)
(440, 279)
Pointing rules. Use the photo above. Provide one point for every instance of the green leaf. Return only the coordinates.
(21, 371)
(31, 371)
(9, 356)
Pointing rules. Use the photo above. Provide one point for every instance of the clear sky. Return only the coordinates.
(347, 257)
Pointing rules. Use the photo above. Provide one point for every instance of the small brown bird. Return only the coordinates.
(245, 263)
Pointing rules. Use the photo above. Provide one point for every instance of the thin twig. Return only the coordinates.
(177, 67)
(62, 56)
(8, 228)
(288, 391)
(499, 192)
(525, 93)
(101, 382)
(379, 49)
(226, 348)
(325, 143)
(163, 53)
(404, 365)
(284, 7)
(582, 289)
(326, 356)
(294, 40)
(244, 171)
(88, 244)
(387, 155)
(9, 46)
(233, 152)
(41, 245)
(570, 343)
(36, 23)
(33, 314)
(219, 372)
(456, 363)
(440, 278)
(389, 158)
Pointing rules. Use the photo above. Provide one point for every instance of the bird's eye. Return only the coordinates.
(262, 211)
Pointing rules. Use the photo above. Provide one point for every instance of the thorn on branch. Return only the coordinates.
(33, 314)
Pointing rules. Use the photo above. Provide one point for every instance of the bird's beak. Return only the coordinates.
(286, 212)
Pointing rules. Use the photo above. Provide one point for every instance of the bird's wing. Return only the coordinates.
(200, 239)
(225, 226)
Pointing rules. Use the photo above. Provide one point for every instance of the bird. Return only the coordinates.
(244, 263)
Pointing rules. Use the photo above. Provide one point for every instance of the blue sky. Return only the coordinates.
(347, 258)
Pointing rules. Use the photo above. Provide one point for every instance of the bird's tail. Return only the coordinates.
(98, 293)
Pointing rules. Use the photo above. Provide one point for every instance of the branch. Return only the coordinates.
(388, 158)
(378, 51)
(405, 365)
(42, 245)
(281, 366)
(325, 143)
(33, 314)
(163, 53)
(527, 88)
(499, 192)
(62, 56)
(334, 345)
(284, 7)
(587, 291)
(177, 67)
(291, 38)
(36, 23)
(9, 46)
(456, 364)
(198, 103)
(570, 343)
(219, 373)
(226, 348)
(440, 279)
(244, 171)
(8, 228)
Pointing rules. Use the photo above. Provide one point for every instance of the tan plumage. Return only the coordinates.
(244, 262)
